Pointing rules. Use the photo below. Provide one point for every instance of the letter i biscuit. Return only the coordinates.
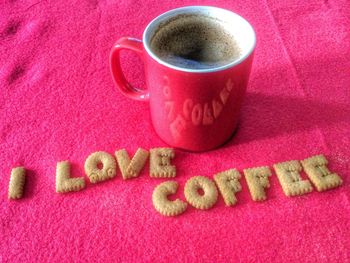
(17, 181)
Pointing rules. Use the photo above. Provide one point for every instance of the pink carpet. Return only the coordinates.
(58, 102)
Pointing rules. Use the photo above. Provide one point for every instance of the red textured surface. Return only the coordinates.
(58, 102)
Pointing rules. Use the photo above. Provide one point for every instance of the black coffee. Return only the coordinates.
(194, 41)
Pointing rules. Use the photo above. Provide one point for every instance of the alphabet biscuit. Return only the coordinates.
(228, 184)
(64, 183)
(257, 179)
(316, 168)
(162, 204)
(17, 182)
(290, 180)
(108, 170)
(131, 168)
(205, 201)
(160, 163)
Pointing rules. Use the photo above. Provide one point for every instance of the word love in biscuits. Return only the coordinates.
(101, 166)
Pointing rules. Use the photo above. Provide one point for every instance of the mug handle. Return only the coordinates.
(124, 86)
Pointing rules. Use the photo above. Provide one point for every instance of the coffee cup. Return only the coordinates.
(197, 64)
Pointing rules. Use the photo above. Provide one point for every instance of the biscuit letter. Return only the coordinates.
(316, 168)
(209, 197)
(17, 182)
(290, 180)
(257, 180)
(228, 184)
(64, 183)
(160, 162)
(131, 168)
(162, 204)
(107, 170)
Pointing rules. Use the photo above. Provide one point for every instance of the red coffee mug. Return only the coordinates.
(192, 109)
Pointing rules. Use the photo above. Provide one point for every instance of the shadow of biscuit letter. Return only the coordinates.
(228, 184)
(64, 182)
(162, 204)
(316, 169)
(257, 180)
(100, 166)
(17, 181)
(131, 168)
(288, 174)
(160, 166)
(210, 192)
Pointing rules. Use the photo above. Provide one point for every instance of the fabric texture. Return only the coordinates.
(58, 102)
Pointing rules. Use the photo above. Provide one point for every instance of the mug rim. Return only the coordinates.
(155, 22)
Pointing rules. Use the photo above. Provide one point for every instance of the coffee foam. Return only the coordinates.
(194, 41)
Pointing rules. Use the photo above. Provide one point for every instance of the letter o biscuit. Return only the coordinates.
(109, 169)
(205, 201)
